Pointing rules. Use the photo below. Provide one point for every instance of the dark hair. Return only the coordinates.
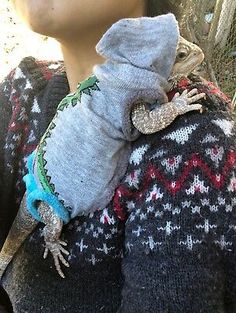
(156, 7)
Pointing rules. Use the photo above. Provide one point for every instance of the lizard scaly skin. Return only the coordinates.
(22, 226)
(188, 56)
(149, 122)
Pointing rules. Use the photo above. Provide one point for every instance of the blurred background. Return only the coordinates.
(209, 23)
(17, 41)
(212, 25)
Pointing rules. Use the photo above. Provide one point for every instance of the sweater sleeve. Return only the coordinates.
(5, 117)
(180, 192)
(18, 93)
(230, 271)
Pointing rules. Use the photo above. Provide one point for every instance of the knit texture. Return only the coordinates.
(180, 234)
(96, 274)
(84, 153)
(147, 42)
(173, 213)
(26, 110)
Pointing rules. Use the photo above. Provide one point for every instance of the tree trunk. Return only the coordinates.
(225, 22)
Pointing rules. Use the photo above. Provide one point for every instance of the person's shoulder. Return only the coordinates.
(221, 123)
(195, 144)
(35, 72)
(202, 140)
(193, 131)
(30, 74)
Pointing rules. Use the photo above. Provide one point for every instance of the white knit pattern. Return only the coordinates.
(225, 125)
(137, 154)
(182, 135)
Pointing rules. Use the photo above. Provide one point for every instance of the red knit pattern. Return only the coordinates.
(217, 179)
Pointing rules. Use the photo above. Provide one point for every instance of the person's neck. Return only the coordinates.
(79, 58)
(79, 52)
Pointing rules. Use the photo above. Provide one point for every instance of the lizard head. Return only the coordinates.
(188, 57)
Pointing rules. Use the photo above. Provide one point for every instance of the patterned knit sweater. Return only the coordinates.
(165, 243)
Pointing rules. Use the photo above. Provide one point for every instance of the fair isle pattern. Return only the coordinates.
(188, 187)
(182, 135)
(137, 155)
(23, 129)
(23, 134)
(29, 96)
(183, 187)
(103, 226)
(225, 125)
(173, 240)
(172, 173)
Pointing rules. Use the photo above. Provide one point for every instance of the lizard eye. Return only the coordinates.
(181, 55)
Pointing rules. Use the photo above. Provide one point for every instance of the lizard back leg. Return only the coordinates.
(52, 232)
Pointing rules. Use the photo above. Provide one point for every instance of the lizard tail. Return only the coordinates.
(22, 226)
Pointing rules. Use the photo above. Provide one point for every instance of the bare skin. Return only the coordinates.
(77, 25)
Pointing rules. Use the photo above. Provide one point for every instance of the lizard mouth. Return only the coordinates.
(199, 57)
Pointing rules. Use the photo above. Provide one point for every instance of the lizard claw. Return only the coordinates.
(57, 251)
(51, 233)
(184, 101)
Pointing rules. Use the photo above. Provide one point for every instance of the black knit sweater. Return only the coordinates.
(165, 243)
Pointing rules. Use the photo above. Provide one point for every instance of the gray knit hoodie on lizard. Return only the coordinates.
(84, 152)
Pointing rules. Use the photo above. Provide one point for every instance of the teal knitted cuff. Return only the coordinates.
(34, 194)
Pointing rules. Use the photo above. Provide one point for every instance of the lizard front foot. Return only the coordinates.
(57, 250)
(183, 102)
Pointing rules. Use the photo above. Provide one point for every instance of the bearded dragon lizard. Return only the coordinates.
(188, 57)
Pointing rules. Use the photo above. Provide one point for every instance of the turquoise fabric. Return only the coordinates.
(36, 193)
